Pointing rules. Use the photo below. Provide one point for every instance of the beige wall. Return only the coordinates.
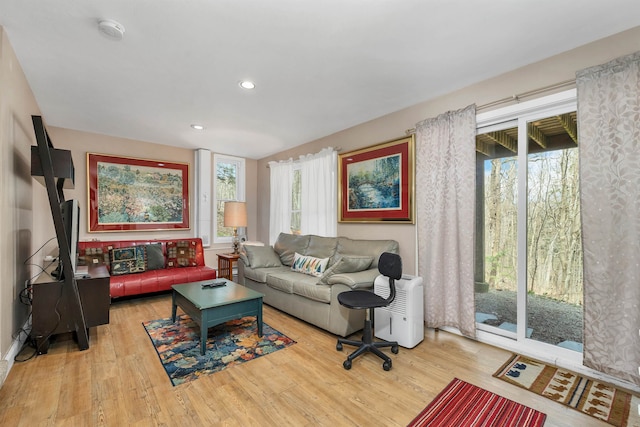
(80, 143)
(541, 74)
(17, 236)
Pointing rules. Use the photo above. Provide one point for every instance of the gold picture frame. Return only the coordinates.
(376, 183)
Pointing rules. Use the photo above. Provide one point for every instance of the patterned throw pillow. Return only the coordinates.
(309, 265)
(96, 256)
(128, 260)
(181, 254)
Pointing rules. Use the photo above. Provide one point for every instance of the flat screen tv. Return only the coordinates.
(71, 221)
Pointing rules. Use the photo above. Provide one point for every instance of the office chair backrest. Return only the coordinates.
(390, 265)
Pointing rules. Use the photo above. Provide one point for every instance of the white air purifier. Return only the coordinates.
(403, 320)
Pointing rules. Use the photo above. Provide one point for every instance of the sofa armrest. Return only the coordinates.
(360, 280)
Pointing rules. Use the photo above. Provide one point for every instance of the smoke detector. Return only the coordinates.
(111, 29)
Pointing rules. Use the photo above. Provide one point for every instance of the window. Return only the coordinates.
(528, 242)
(296, 201)
(303, 195)
(229, 186)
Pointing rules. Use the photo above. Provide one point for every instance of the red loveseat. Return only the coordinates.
(169, 262)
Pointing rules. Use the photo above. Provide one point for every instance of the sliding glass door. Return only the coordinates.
(528, 242)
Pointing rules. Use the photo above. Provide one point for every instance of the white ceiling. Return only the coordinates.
(319, 67)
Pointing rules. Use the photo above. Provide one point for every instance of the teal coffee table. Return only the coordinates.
(212, 306)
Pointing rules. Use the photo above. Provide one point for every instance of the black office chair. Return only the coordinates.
(389, 265)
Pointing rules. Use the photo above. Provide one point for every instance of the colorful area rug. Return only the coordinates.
(228, 344)
(462, 404)
(602, 401)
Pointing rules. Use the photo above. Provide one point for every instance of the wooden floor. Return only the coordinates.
(119, 381)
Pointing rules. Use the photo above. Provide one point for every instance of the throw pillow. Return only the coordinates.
(262, 256)
(128, 260)
(95, 256)
(181, 254)
(155, 257)
(347, 264)
(309, 265)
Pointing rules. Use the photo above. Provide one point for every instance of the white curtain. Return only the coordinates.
(280, 206)
(445, 208)
(609, 138)
(319, 211)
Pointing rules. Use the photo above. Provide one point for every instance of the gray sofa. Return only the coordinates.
(303, 275)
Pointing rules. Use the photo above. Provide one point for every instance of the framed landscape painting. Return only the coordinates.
(130, 194)
(376, 183)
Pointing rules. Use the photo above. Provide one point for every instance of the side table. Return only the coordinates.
(225, 265)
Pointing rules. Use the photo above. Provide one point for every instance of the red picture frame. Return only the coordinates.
(132, 194)
(377, 183)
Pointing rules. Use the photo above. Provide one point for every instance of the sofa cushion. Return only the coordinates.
(309, 265)
(181, 253)
(371, 248)
(128, 260)
(260, 274)
(284, 280)
(346, 264)
(262, 256)
(309, 289)
(288, 244)
(155, 257)
(321, 247)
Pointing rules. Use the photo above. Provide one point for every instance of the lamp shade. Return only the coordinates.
(235, 214)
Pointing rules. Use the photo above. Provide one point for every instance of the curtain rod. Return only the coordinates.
(337, 149)
(516, 98)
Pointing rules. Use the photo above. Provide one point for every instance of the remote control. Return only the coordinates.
(214, 284)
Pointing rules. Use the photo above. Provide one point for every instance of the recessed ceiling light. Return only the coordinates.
(246, 84)
(197, 127)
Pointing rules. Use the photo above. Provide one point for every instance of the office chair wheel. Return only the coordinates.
(347, 364)
(394, 349)
(386, 365)
(339, 346)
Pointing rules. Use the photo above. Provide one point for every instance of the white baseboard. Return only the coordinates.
(7, 362)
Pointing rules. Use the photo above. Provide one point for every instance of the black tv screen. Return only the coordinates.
(71, 220)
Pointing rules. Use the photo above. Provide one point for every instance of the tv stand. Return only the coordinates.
(57, 177)
(51, 314)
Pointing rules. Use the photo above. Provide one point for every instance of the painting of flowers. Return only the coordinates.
(137, 194)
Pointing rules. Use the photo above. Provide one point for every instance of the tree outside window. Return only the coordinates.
(229, 186)
(296, 202)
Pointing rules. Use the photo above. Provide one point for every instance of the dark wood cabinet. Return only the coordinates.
(52, 313)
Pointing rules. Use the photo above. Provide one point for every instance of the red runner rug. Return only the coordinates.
(462, 404)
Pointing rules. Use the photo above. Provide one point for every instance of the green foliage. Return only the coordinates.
(226, 190)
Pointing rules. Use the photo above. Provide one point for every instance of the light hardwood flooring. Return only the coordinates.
(119, 381)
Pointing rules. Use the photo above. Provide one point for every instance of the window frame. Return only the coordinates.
(520, 114)
(240, 164)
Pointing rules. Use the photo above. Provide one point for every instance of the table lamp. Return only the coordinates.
(235, 215)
